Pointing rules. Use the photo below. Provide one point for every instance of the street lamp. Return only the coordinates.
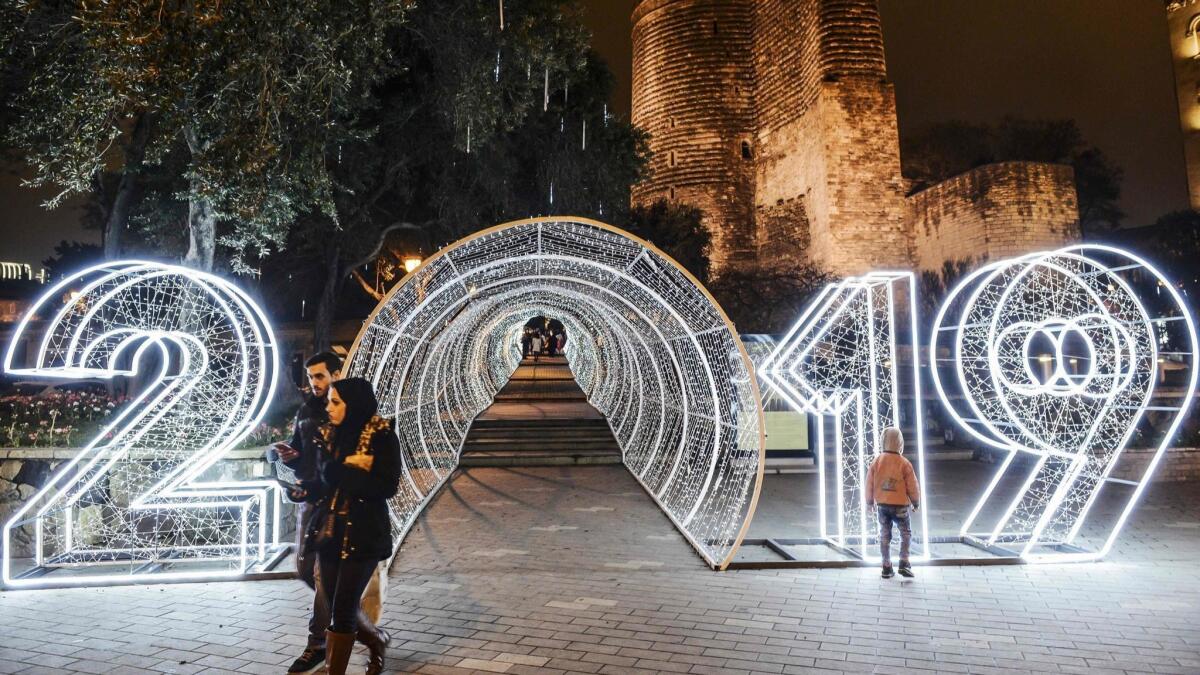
(411, 263)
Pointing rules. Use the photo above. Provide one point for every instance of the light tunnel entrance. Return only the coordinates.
(650, 348)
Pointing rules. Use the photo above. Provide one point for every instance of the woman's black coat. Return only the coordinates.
(368, 529)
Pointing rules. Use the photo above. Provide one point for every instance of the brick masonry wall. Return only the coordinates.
(782, 228)
(776, 119)
(995, 211)
(693, 90)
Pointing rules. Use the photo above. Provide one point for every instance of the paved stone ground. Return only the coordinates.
(574, 569)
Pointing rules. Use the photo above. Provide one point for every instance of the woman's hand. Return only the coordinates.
(359, 462)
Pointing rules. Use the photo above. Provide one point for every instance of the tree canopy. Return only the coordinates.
(476, 125)
(237, 103)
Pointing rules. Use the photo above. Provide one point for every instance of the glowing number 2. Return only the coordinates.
(146, 499)
(1055, 358)
(840, 362)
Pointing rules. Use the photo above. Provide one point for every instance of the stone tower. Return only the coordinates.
(693, 90)
(827, 136)
(776, 118)
(1183, 26)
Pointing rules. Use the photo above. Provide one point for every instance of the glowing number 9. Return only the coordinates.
(1053, 356)
(840, 361)
(146, 499)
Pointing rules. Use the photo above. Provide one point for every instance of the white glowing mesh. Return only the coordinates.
(148, 495)
(841, 361)
(648, 347)
(1054, 356)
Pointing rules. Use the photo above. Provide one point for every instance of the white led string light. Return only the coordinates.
(1053, 357)
(841, 361)
(146, 500)
(649, 347)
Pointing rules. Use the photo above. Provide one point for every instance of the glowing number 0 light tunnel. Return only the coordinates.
(648, 345)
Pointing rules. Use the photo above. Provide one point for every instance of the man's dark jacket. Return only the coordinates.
(309, 419)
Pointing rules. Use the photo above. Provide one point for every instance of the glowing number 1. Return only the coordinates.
(840, 361)
(146, 498)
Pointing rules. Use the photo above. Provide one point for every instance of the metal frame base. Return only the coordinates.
(256, 571)
(778, 546)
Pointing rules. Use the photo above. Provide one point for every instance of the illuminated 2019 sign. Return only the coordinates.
(147, 498)
(1055, 357)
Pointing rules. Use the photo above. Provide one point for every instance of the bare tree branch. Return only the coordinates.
(368, 288)
(383, 235)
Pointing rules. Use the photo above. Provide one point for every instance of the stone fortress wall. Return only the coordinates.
(776, 118)
(988, 211)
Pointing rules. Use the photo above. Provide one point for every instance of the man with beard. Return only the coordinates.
(300, 455)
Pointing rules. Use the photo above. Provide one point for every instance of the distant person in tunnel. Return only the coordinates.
(892, 485)
(300, 455)
(526, 340)
(351, 531)
(535, 345)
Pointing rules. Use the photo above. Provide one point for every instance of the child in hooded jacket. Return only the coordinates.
(891, 489)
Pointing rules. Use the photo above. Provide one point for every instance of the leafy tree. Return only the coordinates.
(1171, 243)
(70, 257)
(935, 285)
(677, 230)
(481, 126)
(945, 150)
(766, 299)
(242, 101)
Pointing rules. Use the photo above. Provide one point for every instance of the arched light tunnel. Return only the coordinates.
(649, 346)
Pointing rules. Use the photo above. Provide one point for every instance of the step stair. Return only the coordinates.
(540, 418)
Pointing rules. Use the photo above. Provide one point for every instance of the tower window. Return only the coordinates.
(715, 29)
(672, 158)
(672, 122)
(747, 153)
(672, 193)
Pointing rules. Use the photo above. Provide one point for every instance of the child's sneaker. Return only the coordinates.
(887, 572)
(906, 571)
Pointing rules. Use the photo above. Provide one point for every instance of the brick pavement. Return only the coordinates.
(574, 569)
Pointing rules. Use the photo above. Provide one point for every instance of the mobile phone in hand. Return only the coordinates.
(285, 451)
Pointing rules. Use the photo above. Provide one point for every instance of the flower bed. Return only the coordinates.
(74, 418)
(57, 419)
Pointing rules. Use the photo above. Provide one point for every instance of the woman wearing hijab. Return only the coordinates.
(350, 531)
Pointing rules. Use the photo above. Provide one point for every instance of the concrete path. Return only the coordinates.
(574, 569)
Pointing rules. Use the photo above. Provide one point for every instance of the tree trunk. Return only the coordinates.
(118, 214)
(202, 234)
(323, 322)
(202, 221)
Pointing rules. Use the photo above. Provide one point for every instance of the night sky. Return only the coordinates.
(1104, 63)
